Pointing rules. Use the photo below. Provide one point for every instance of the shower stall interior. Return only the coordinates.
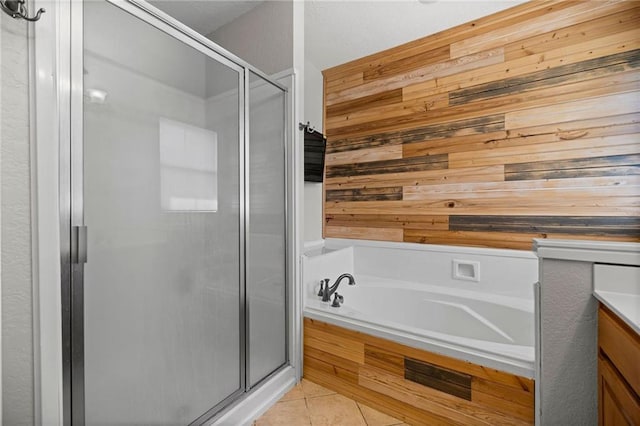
(174, 199)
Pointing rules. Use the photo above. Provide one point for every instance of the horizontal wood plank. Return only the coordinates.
(582, 109)
(346, 81)
(585, 70)
(585, 31)
(362, 155)
(403, 64)
(450, 129)
(483, 189)
(331, 358)
(389, 361)
(520, 412)
(342, 347)
(366, 102)
(365, 194)
(612, 165)
(429, 177)
(574, 206)
(533, 137)
(424, 162)
(520, 397)
(364, 233)
(337, 371)
(389, 221)
(579, 225)
(576, 13)
(562, 150)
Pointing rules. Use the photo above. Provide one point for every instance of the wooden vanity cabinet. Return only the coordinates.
(618, 371)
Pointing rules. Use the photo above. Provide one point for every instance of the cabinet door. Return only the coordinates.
(618, 404)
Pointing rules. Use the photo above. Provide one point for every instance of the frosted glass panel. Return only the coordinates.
(162, 283)
(266, 279)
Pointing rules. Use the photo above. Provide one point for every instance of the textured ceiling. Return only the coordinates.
(205, 16)
(340, 31)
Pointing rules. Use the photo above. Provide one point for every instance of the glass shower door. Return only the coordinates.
(163, 300)
(266, 238)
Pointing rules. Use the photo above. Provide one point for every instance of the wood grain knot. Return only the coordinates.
(567, 136)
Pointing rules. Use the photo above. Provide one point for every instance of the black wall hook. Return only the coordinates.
(17, 10)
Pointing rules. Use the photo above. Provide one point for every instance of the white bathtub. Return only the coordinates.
(487, 323)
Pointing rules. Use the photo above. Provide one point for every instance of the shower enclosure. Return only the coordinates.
(174, 274)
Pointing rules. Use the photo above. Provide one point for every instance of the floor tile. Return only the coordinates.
(295, 393)
(309, 404)
(334, 410)
(312, 390)
(376, 418)
(293, 413)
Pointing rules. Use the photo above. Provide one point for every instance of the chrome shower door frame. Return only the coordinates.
(71, 192)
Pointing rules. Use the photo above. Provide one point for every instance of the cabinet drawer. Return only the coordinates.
(618, 404)
(621, 345)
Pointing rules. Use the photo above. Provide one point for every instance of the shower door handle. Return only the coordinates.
(79, 244)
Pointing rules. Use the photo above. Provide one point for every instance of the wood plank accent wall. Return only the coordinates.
(417, 386)
(523, 124)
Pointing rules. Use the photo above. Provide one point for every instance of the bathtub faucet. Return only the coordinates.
(328, 291)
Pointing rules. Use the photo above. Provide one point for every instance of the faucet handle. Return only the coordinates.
(337, 300)
(322, 288)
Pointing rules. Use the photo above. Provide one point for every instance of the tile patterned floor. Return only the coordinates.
(313, 405)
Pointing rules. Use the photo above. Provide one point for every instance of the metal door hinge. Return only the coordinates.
(78, 244)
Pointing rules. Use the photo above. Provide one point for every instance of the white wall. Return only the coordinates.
(247, 38)
(312, 113)
(17, 347)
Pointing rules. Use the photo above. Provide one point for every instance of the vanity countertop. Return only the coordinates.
(625, 306)
(618, 288)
